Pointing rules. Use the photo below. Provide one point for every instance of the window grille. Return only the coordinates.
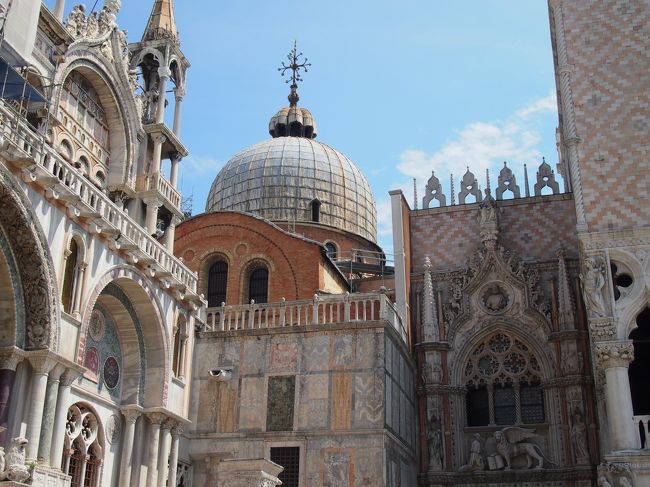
(258, 285)
(217, 283)
(289, 458)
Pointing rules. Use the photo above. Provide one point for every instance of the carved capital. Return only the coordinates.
(158, 138)
(177, 430)
(614, 354)
(10, 360)
(164, 72)
(131, 415)
(603, 329)
(42, 364)
(68, 377)
(168, 424)
(156, 418)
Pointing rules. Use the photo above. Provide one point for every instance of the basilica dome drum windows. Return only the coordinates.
(217, 283)
(503, 383)
(258, 285)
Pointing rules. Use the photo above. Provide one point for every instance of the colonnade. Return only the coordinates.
(35, 401)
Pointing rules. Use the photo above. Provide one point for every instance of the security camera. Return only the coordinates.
(221, 374)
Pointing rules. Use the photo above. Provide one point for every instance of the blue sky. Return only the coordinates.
(402, 88)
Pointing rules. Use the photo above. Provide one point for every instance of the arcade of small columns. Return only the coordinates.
(46, 417)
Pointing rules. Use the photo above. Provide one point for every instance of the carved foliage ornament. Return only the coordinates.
(25, 239)
(494, 298)
(614, 354)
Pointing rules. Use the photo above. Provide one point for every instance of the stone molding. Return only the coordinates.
(614, 354)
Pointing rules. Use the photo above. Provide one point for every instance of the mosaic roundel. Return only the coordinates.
(97, 326)
(113, 429)
(111, 372)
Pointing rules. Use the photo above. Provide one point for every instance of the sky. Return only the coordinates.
(400, 87)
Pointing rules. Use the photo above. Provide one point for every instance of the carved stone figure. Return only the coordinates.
(511, 444)
(603, 482)
(92, 27)
(434, 438)
(495, 299)
(593, 281)
(475, 461)
(624, 482)
(16, 470)
(579, 438)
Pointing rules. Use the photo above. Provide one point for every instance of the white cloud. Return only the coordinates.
(204, 165)
(484, 145)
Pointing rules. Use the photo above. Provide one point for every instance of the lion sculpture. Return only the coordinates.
(511, 444)
(15, 469)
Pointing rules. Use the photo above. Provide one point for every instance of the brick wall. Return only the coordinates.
(532, 227)
(295, 265)
(603, 76)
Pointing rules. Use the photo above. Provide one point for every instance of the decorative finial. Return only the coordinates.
(295, 66)
(453, 192)
(487, 178)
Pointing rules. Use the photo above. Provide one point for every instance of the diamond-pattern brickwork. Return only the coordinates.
(532, 227)
(607, 54)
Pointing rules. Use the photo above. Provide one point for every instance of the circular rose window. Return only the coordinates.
(111, 372)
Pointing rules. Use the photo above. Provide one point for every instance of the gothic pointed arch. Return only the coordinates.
(145, 369)
(34, 280)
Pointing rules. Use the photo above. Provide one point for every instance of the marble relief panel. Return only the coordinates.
(368, 400)
(280, 403)
(313, 410)
(253, 357)
(251, 404)
(369, 353)
(342, 351)
(284, 356)
(315, 353)
(338, 467)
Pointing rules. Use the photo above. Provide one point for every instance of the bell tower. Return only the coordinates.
(161, 68)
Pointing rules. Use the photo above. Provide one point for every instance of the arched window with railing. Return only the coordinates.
(258, 285)
(217, 283)
(82, 452)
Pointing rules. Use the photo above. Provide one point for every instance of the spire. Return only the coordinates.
(431, 329)
(566, 317)
(162, 23)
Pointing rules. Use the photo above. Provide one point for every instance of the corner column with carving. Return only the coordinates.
(173, 456)
(151, 215)
(614, 358)
(163, 454)
(8, 363)
(62, 404)
(173, 173)
(170, 232)
(179, 93)
(154, 442)
(49, 413)
(42, 366)
(131, 415)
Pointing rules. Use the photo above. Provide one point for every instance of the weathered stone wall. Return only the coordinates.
(351, 384)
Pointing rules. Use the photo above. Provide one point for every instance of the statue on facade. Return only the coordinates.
(14, 462)
(475, 461)
(76, 21)
(434, 438)
(603, 482)
(593, 281)
(511, 444)
(579, 438)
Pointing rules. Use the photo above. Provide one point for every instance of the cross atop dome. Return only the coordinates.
(295, 66)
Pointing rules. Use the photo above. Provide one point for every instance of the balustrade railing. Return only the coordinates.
(322, 310)
(159, 182)
(45, 166)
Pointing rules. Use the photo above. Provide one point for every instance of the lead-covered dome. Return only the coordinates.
(296, 179)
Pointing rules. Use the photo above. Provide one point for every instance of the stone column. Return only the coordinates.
(42, 366)
(49, 413)
(58, 9)
(163, 455)
(164, 73)
(614, 358)
(399, 251)
(158, 141)
(130, 416)
(154, 439)
(82, 466)
(170, 232)
(179, 93)
(151, 215)
(173, 174)
(78, 288)
(62, 405)
(8, 364)
(173, 457)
